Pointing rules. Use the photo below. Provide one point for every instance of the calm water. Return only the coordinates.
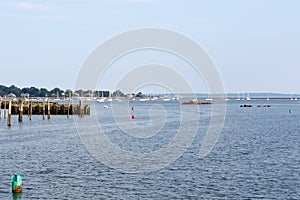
(256, 157)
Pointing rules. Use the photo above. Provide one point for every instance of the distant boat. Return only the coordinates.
(106, 106)
(238, 98)
(100, 100)
(208, 98)
(166, 99)
(118, 99)
(154, 98)
(248, 97)
(144, 99)
(176, 98)
(57, 97)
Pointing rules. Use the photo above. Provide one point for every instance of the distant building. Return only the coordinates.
(11, 95)
(24, 95)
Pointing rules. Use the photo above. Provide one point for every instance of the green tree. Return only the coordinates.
(56, 91)
(43, 92)
(118, 93)
(69, 93)
(140, 94)
(3, 90)
(15, 90)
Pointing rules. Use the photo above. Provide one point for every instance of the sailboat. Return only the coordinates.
(238, 98)
(295, 98)
(144, 99)
(101, 100)
(208, 98)
(248, 97)
(154, 98)
(268, 98)
(109, 99)
(57, 97)
(166, 99)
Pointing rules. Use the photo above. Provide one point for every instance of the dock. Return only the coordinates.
(38, 108)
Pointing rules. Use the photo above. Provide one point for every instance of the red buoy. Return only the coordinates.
(132, 116)
(132, 108)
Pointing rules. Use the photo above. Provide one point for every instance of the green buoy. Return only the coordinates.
(16, 181)
(290, 110)
(17, 196)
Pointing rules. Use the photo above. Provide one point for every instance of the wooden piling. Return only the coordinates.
(43, 110)
(26, 106)
(30, 112)
(40, 108)
(4, 107)
(0, 106)
(21, 112)
(9, 114)
(69, 107)
(48, 108)
(81, 108)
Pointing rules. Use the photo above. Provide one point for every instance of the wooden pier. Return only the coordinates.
(38, 108)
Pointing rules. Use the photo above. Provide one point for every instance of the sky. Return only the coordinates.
(254, 44)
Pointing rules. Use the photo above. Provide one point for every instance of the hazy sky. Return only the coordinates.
(255, 44)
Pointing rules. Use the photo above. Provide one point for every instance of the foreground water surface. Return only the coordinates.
(256, 157)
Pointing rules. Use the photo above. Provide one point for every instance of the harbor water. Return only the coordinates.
(256, 157)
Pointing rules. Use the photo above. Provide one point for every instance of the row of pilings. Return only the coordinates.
(55, 109)
(46, 109)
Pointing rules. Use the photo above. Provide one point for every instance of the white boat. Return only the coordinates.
(144, 99)
(166, 99)
(238, 98)
(100, 100)
(118, 99)
(248, 97)
(176, 98)
(154, 98)
(209, 98)
(106, 106)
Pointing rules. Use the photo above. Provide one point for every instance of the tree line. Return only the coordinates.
(55, 92)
